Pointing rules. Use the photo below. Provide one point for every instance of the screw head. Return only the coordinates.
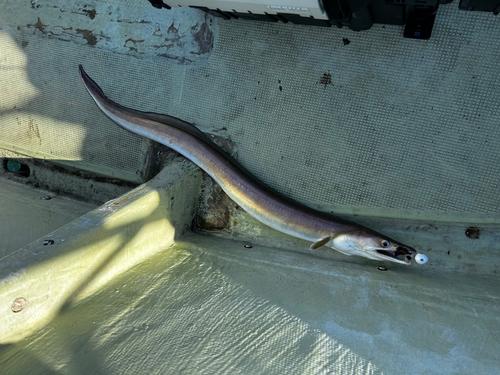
(19, 304)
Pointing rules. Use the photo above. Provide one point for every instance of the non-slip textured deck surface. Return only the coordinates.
(406, 125)
(26, 214)
(406, 128)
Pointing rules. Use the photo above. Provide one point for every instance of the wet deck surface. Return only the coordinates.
(212, 306)
(27, 214)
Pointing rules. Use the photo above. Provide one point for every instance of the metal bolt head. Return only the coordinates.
(248, 246)
(19, 304)
(382, 268)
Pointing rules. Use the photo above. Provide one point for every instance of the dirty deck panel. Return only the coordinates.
(68, 264)
(42, 45)
(27, 214)
(406, 129)
(211, 306)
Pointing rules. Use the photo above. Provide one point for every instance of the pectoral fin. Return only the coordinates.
(318, 244)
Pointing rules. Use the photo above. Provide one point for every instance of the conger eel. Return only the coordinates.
(253, 196)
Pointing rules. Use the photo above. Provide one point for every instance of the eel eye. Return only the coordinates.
(384, 243)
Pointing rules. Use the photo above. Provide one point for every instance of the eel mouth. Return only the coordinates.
(401, 254)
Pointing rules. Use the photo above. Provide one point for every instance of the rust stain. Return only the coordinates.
(218, 214)
(129, 196)
(123, 200)
(88, 36)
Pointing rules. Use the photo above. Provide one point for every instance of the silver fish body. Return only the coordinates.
(253, 196)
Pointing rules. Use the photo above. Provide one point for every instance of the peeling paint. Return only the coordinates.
(205, 39)
(88, 36)
(34, 4)
(172, 29)
(131, 21)
(91, 13)
(180, 36)
(38, 25)
(133, 48)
